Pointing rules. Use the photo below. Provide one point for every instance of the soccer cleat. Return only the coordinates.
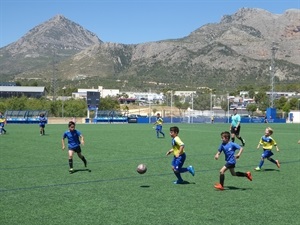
(191, 170)
(243, 142)
(249, 176)
(178, 182)
(277, 163)
(71, 170)
(257, 168)
(219, 187)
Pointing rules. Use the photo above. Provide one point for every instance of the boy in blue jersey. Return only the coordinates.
(229, 149)
(75, 138)
(179, 156)
(159, 122)
(267, 142)
(2, 123)
(235, 127)
(42, 123)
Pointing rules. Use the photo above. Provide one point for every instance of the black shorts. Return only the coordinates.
(237, 131)
(77, 149)
(229, 166)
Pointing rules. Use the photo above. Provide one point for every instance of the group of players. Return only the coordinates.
(228, 147)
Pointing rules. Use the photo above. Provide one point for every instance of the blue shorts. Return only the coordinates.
(177, 163)
(266, 154)
(42, 125)
(158, 127)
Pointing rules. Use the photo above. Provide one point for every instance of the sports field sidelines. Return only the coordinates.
(36, 187)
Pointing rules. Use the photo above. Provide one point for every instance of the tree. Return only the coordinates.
(224, 105)
(279, 103)
(109, 103)
(75, 108)
(262, 100)
(286, 107)
(251, 93)
(16, 103)
(251, 108)
(294, 103)
(202, 102)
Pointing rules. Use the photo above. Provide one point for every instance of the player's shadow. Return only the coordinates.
(270, 170)
(186, 182)
(145, 186)
(233, 188)
(81, 170)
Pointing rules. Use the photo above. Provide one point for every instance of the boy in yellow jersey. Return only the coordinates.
(267, 142)
(159, 122)
(2, 123)
(179, 156)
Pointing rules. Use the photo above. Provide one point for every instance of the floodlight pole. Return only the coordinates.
(192, 117)
(272, 69)
(227, 107)
(171, 106)
(149, 105)
(63, 102)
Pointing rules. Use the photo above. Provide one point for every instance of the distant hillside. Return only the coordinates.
(46, 44)
(234, 52)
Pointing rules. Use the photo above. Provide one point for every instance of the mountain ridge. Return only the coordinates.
(235, 51)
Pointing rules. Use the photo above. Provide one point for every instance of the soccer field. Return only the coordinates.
(37, 189)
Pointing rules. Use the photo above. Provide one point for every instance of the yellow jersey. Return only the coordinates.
(159, 121)
(267, 142)
(176, 143)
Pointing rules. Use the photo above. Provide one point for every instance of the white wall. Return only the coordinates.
(296, 115)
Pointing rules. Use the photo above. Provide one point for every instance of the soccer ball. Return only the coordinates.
(141, 169)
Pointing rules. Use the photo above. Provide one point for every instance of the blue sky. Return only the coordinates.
(126, 21)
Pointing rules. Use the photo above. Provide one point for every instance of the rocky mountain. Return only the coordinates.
(54, 40)
(236, 51)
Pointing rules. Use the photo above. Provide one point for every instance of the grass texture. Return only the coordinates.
(36, 187)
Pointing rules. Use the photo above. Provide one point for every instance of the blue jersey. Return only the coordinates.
(229, 150)
(42, 120)
(73, 138)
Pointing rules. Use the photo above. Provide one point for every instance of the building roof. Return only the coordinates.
(21, 89)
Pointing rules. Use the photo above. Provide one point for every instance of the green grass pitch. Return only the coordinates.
(36, 187)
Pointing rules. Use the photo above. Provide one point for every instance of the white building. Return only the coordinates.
(184, 93)
(81, 93)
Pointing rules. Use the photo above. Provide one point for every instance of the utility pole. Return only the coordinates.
(272, 69)
(54, 78)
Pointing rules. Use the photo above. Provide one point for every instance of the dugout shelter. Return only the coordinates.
(24, 116)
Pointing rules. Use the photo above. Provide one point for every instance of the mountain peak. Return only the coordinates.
(58, 17)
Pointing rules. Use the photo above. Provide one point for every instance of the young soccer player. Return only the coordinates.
(179, 156)
(235, 127)
(229, 149)
(42, 123)
(267, 142)
(2, 123)
(159, 123)
(75, 138)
